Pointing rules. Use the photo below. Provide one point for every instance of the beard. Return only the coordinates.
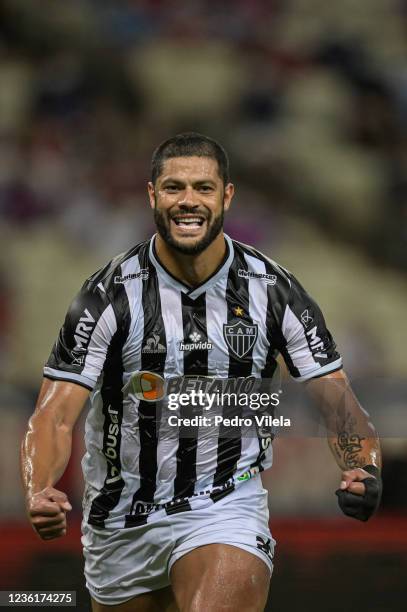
(214, 227)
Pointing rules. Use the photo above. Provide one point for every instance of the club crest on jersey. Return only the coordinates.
(240, 337)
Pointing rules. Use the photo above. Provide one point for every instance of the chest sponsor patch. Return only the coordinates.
(270, 279)
(143, 274)
(195, 343)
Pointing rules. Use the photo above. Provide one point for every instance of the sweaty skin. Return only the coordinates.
(190, 187)
(351, 436)
(45, 453)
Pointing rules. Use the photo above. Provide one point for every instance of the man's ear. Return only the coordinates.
(228, 195)
(151, 194)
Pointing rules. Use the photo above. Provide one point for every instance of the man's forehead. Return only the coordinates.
(194, 167)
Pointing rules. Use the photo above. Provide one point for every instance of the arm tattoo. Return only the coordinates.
(350, 446)
(345, 421)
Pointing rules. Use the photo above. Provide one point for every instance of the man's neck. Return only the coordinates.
(192, 270)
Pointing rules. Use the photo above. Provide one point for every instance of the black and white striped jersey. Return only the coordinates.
(134, 316)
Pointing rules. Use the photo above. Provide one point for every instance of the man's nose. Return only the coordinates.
(188, 197)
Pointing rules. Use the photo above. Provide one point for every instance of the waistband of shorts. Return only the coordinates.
(250, 477)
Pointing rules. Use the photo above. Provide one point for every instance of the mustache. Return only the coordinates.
(186, 211)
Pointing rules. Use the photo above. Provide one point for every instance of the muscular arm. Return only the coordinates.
(351, 436)
(45, 453)
(353, 441)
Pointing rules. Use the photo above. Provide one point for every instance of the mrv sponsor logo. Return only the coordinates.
(196, 343)
(316, 344)
(83, 332)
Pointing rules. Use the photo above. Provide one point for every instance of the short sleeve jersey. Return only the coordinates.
(134, 317)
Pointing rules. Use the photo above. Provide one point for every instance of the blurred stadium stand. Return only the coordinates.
(309, 97)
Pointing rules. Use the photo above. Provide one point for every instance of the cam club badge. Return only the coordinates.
(240, 337)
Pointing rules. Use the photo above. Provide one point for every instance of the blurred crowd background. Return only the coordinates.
(310, 99)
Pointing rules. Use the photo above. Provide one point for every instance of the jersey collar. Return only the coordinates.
(193, 292)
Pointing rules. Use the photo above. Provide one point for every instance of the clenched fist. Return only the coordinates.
(360, 492)
(47, 512)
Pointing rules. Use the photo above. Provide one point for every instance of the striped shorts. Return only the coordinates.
(123, 563)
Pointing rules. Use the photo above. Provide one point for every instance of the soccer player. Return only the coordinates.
(180, 520)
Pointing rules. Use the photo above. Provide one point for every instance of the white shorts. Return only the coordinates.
(123, 563)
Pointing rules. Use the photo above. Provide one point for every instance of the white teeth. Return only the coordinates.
(188, 221)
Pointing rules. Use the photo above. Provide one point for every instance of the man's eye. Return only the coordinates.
(171, 188)
(206, 188)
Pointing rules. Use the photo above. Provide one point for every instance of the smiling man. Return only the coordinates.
(179, 520)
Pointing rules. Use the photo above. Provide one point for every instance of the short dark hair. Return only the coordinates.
(190, 144)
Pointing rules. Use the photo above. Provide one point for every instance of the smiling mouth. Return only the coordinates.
(189, 221)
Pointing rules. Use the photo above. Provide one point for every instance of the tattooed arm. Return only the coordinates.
(353, 441)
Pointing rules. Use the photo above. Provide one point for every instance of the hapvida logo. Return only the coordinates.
(196, 343)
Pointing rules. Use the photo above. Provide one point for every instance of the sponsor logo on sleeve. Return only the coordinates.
(306, 318)
(316, 344)
(82, 334)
